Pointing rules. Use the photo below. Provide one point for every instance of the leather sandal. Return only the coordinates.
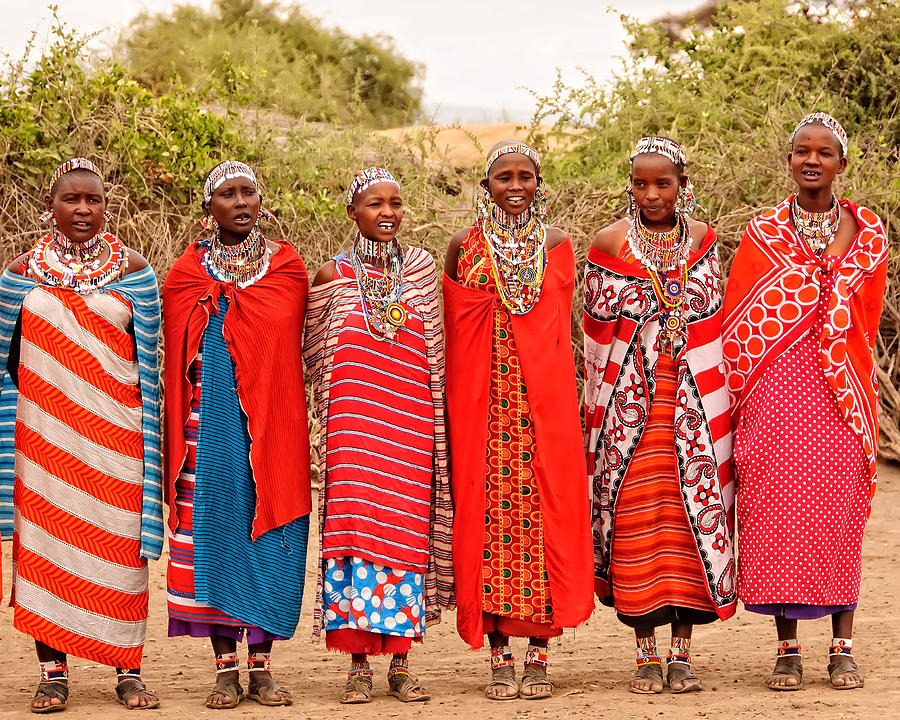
(651, 672)
(263, 690)
(843, 666)
(679, 672)
(789, 668)
(230, 689)
(535, 676)
(358, 688)
(129, 687)
(504, 679)
(406, 688)
(53, 690)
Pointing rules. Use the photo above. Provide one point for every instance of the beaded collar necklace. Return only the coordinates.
(241, 264)
(378, 267)
(661, 253)
(57, 261)
(518, 251)
(817, 230)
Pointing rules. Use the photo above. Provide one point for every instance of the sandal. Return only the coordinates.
(129, 687)
(406, 688)
(845, 666)
(790, 669)
(52, 690)
(230, 689)
(534, 677)
(269, 689)
(358, 688)
(653, 673)
(679, 672)
(504, 679)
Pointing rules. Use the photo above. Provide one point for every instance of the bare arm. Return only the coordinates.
(451, 260)
(611, 238)
(325, 274)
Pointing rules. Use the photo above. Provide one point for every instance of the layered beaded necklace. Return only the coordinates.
(378, 267)
(518, 251)
(817, 230)
(661, 253)
(242, 264)
(59, 262)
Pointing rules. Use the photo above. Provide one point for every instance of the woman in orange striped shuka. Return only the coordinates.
(656, 416)
(79, 321)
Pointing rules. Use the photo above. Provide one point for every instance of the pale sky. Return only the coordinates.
(478, 54)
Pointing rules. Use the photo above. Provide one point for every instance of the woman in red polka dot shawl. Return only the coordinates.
(801, 316)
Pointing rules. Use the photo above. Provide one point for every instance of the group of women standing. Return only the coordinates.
(455, 470)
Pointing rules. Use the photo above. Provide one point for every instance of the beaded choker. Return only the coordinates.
(58, 262)
(379, 276)
(242, 264)
(661, 253)
(518, 250)
(817, 230)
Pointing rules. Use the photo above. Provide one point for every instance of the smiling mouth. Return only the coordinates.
(386, 226)
(811, 173)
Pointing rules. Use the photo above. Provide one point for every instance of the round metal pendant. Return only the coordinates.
(527, 276)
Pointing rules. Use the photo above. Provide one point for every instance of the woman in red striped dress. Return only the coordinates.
(656, 416)
(374, 348)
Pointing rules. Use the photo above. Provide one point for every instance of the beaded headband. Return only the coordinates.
(513, 147)
(227, 170)
(823, 118)
(76, 163)
(366, 179)
(661, 146)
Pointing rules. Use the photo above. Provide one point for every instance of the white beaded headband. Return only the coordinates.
(227, 170)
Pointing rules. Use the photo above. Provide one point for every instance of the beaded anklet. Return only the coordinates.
(54, 671)
(226, 662)
(122, 673)
(789, 648)
(680, 651)
(536, 655)
(841, 646)
(259, 662)
(359, 670)
(501, 656)
(399, 666)
(647, 651)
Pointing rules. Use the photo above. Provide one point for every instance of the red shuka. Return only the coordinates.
(543, 338)
(263, 330)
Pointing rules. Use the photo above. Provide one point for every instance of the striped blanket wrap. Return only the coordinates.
(81, 442)
(621, 326)
(329, 306)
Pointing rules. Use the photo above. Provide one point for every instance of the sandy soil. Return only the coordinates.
(590, 665)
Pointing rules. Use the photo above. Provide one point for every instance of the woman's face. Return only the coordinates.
(377, 211)
(78, 202)
(816, 158)
(235, 206)
(512, 182)
(655, 184)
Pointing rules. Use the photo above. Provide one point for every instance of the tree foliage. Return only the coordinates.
(249, 52)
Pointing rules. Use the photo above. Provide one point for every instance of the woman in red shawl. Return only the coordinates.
(801, 317)
(521, 536)
(237, 442)
(656, 417)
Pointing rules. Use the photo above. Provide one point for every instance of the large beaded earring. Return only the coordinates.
(107, 217)
(539, 203)
(631, 206)
(263, 215)
(209, 224)
(483, 204)
(687, 201)
(48, 217)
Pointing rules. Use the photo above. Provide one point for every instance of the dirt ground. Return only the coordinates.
(590, 665)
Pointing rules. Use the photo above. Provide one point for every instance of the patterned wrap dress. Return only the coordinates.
(516, 588)
(86, 427)
(384, 460)
(800, 329)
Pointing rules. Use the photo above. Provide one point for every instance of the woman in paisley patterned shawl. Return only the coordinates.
(656, 415)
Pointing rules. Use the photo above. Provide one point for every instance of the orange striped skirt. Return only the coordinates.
(654, 560)
(79, 581)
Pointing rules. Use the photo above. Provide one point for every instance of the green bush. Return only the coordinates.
(250, 53)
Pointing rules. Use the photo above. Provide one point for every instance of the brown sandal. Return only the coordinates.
(358, 688)
(503, 678)
(54, 690)
(271, 688)
(844, 666)
(129, 687)
(406, 688)
(651, 672)
(535, 676)
(679, 672)
(229, 688)
(789, 668)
